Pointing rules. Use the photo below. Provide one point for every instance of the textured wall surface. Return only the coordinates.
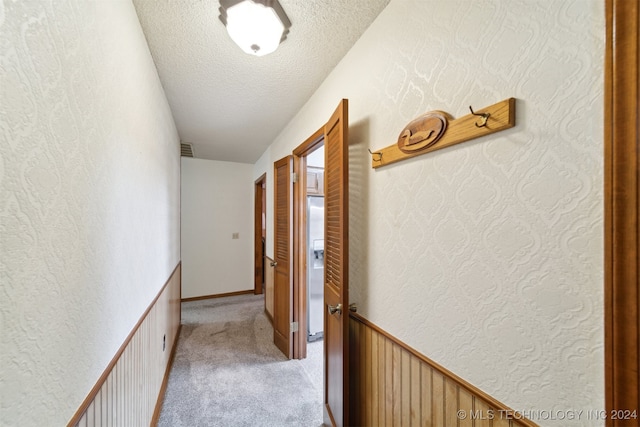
(89, 198)
(217, 199)
(488, 256)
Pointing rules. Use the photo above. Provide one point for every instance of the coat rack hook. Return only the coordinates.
(483, 121)
(378, 153)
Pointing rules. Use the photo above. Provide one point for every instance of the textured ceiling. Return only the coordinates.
(231, 105)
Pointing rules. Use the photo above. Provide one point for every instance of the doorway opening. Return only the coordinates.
(314, 230)
(309, 261)
(309, 244)
(260, 234)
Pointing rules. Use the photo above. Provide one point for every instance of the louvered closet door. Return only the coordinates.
(336, 287)
(282, 285)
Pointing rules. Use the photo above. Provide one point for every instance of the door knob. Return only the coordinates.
(333, 309)
(353, 307)
(274, 263)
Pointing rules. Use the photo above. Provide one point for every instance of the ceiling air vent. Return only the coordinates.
(186, 150)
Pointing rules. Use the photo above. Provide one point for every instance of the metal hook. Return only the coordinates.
(379, 159)
(485, 117)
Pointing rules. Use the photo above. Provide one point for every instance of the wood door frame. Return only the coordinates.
(621, 210)
(259, 209)
(300, 243)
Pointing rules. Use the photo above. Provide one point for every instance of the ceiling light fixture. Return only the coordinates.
(257, 26)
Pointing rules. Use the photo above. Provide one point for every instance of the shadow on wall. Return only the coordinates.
(359, 164)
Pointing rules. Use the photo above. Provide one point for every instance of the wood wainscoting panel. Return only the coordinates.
(392, 384)
(131, 390)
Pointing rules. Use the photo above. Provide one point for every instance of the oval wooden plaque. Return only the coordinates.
(422, 132)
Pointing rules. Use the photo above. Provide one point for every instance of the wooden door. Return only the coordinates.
(336, 286)
(282, 284)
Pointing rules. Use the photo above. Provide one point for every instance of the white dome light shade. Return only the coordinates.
(256, 28)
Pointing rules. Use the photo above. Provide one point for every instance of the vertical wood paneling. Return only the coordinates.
(465, 403)
(437, 401)
(106, 413)
(381, 379)
(405, 385)
(451, 402)
(500, 421)
(425, 397)
(117, 395)
(129, 392)
(108, 404)
(365, 382)
(415, 379)
(482, 410)
(362, 367)
(368, 404)
(104, 394)
(374, 379)
(396, 369)
(388, 397)
(394, 385)
(354, 349)
(89, 416)
(97, 408)
(358, 369)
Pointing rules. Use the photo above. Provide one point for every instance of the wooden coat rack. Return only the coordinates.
(435, 130)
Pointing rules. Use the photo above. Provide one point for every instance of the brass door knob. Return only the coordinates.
(333, 309)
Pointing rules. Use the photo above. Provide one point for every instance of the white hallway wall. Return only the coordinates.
(89, 198)
(217, 201)
(487, 256)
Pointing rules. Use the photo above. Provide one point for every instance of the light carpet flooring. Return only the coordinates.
(228, 372)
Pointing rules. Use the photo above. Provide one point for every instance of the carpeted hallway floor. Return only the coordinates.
(227, 371)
